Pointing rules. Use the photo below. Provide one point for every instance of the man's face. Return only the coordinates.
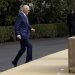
(26, 11)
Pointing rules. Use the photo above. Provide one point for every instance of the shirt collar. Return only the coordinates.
(24, 14)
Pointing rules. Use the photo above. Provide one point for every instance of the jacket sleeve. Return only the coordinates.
(17, 25)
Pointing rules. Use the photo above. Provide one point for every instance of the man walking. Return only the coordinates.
(22, 30)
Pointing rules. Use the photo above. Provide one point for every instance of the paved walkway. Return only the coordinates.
(54, 64)
(41, 47)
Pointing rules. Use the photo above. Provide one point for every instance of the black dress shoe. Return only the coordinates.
(28, 61)
(15, 64)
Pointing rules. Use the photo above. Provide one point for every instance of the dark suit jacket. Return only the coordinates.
(22, 26)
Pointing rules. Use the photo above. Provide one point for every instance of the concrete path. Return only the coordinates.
(54, 64)
(41, 47)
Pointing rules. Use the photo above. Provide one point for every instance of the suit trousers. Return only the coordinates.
(25, 44)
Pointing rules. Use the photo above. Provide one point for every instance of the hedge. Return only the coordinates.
(42, 31)
(50, 30)
(6, 33)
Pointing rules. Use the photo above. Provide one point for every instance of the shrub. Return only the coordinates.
(42, 31)
(6, 33)
(50, 30)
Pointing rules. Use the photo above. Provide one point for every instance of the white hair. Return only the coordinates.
(24, 7)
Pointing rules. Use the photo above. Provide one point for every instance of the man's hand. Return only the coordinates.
(33, 29)
(19, 36)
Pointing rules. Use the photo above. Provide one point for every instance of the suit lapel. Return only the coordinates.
(25, 18)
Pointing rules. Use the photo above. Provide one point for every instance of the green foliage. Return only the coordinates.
(50, 30)
(6, 33)
(42, 31)
(8, 11)
(49, 11)
(43, 11)
(59, 8)
(10, 20)
(3, 5)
